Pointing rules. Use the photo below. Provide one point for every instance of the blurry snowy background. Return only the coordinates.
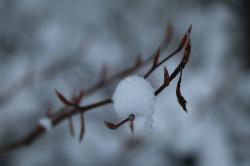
(48, 44)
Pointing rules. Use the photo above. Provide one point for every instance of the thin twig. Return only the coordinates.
(74, 108)
(82, 127)
(180, 47)
(56, 119)
(139, 63)
(178, 69)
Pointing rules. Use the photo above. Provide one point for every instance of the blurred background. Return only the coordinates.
(61, 44)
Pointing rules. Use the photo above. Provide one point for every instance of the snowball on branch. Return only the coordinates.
(134, 95)
(45, 123)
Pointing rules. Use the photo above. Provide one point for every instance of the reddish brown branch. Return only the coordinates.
(179, 48)
(73, 108)
(113, 126)
(179, 68)
(138, 64)
(56, 119)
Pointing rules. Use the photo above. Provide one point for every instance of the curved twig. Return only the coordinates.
(74, 108)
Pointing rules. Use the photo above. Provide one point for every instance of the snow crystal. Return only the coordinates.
(134, 95)
(45, 123)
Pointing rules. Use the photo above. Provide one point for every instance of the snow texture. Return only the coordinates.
(134, 95)
(45, 123)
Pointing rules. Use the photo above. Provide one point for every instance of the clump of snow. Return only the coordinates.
(45, 123)
(135, 95)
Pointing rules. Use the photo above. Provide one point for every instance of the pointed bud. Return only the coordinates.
(110, 125)
(62, 98)
(187, 52)
(185, 38)
(156, 57)
(166, 76)
(181, 100)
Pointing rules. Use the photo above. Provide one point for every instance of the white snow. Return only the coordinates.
(135, 95)
(45, 123)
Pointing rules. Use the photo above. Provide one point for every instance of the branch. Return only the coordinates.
(179, 48)
(178, 69)
(72, 107)
(113, 126)
(56, 119)
(139, 63)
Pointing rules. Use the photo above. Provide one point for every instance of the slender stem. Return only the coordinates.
(73, 109)
(76, 109)
(56, 119)
(160, 63)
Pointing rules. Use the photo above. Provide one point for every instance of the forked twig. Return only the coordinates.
(72, 107)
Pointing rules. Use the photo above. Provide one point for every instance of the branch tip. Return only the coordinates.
(181, 100)
(110, 125)
(62, 98)
(166, 76)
